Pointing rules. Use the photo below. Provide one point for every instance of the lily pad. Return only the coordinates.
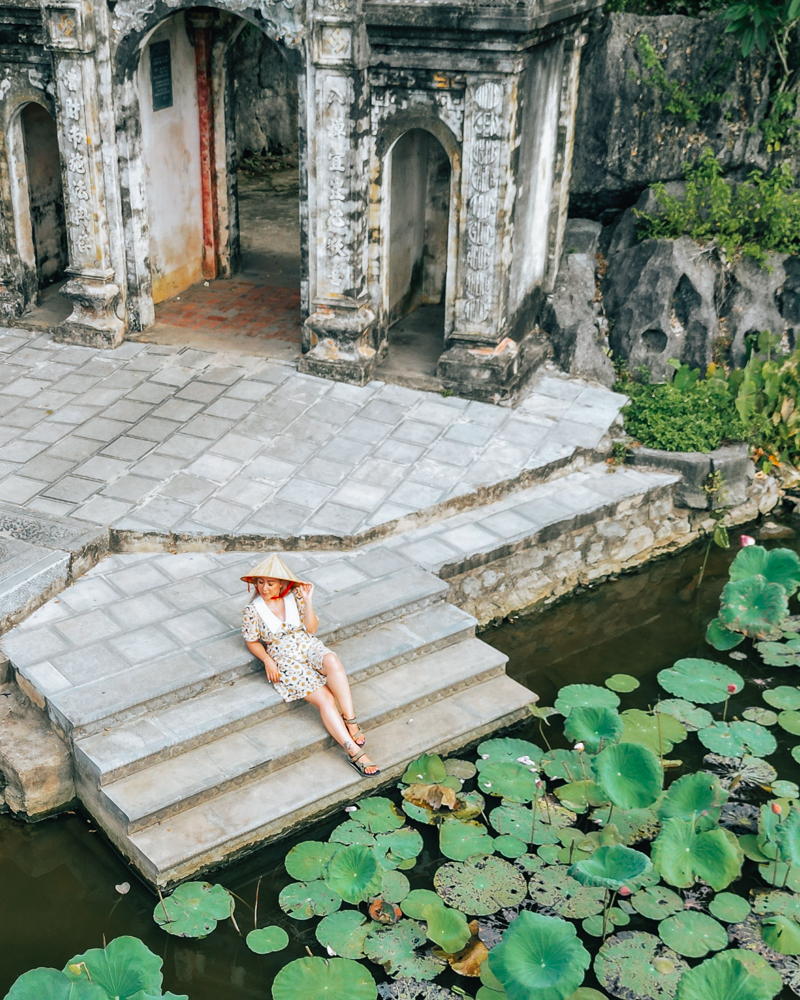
(555, 889)
(720, 637)
(724, 977)
(50, 984)
(698, 797)
(692, 934)
(460, 840)
(584, 696)
(611, 867)
(789, 721)
(782, 934)
(461, 769)
(392, 849)
(780, 654)
(514, 820)
(568, 765)
(630, 775)
(539, 956)
(763, 716)
(309, 859)
(783, 696)
(480, 886)
(324, 979)
(350, 832)
(753, 606)
(304, 900)
(193, 910)
(354, 874)
(656, 902)
(683, 855)
(598, 928)
(637, 966)
(416, 901)
(395, 948)
(509, 780)
(123, 968)
(634, 825)
(581, 795)
(781, 566)
(658, 732)
(785, 789)
(344, 933)
(265, 940)
(738, 739)
(690, 715)
(446, 927)
(509, 751)
(378, 815)
(623, 683)
(429, 769)
(729, 907)
(594, 727)
(395, 887)
(796, 754)
(697, 680)
(510, 847)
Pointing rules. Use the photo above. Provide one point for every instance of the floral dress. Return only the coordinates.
(297, 654)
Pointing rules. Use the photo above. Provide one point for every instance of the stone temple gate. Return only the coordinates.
(434, 141)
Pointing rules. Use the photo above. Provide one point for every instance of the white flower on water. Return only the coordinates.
(350, 809)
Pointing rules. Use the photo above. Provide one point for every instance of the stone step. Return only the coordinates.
(162, 681)
(170, 787)
(270, 807)
(244, 701)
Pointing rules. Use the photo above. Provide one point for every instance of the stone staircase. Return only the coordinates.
(185, 768)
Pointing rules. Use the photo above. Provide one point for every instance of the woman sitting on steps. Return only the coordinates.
(278, 627)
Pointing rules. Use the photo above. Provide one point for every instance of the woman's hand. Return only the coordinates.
(307, 590)
(271, 668)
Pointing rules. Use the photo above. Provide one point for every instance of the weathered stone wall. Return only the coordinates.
(557, 560)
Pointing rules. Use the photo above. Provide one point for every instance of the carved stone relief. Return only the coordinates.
(335, 170)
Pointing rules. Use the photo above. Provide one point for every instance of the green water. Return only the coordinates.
(58, 878)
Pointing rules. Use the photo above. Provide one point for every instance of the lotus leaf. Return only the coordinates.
(586, 993)
(682, 855)
(690, 715)
(738, 739)
(555, 889)
(500, 751)
(548, 853)
(781, 874)
(723, 977)
(630, 775)
(568, 765)
(344, 933)
(598, 927)
(786, 789)
(658, 732)
(790, 722)
(729, 907)
(698, 797)
(350, 832)
(594, 727)
(749, 845)
(623, 683)
(265, 940)
(637, 966)
(416, 901)
(324, 979)
(400, 845)
(692, 934)
(510, 847)
(50, 984)
(354, 874)
(394, 947)
(514, 820)
(763, 716)
(783, 696)
(428, 769)
(698, 680)
(633, 825)
(747, 771)
(539, 956)
(420, 814)
(720, 637)
(780, 654)
(395, 886)
(753, 606)
(656, 902)
(125, 967)
(452, 782)
(509, 780)
(308, 859)
(472, 804)
(480, 886)
(611, 867)
(782, 934)
(193, 909)
(304, 900)
(461, 769)
(582, 795)
(378, 815)
(459, 840)
(781, 566)
(446, 927)
(584, 696)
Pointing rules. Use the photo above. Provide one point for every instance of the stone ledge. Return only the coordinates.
(694, 468)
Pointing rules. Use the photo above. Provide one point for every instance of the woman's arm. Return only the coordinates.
(271, 667)
(310, 619)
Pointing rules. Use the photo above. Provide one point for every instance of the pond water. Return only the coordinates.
(58, 878)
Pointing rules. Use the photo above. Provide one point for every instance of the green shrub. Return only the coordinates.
(685, 98)
(766, 401)
(756, 217)
(687, 414)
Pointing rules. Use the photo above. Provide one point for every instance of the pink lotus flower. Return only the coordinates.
(746, 540)
(624, 890)
(776, 808)
(731, 689)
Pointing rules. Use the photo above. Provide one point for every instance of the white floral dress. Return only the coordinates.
(297, 654)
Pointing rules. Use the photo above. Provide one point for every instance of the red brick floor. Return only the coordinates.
(239, 306)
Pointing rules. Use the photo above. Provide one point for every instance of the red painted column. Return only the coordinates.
(201, 21)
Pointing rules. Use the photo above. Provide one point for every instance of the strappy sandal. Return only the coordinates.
(354, 722)
(355, 762)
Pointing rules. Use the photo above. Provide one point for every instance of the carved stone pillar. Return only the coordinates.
(481, 358)
(340, 329)
(92, 287)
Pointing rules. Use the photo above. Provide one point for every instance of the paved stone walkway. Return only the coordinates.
(151, 438)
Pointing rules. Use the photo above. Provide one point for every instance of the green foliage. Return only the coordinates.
(324, 979)
(193, 910)
(767, 403)
(685, 99)
(753, 218)
(539, 956)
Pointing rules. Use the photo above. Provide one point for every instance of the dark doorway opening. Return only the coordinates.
(45, 194)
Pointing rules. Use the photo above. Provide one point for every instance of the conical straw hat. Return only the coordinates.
(274, 568)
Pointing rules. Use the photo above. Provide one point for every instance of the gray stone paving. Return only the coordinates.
(152, 438)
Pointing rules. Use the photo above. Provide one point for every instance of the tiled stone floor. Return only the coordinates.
(156, 438)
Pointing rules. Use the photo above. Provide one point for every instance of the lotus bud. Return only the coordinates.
(624, 890)
(746, 540)
(539, 782)
(776, 808)
(731, 689)
(580, 746)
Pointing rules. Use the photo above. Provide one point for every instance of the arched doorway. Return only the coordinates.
(219, 123)
(419, 215)
(42, 225)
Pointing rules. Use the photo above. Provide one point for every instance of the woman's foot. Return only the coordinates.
(363, 764)
(354, 730)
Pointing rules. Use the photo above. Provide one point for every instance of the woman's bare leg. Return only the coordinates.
(325, 702)
(336, 677)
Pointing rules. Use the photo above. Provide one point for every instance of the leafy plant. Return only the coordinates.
(683, 855)
(685, 100)
(324, 979)
(193, 909)
(539, 956)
